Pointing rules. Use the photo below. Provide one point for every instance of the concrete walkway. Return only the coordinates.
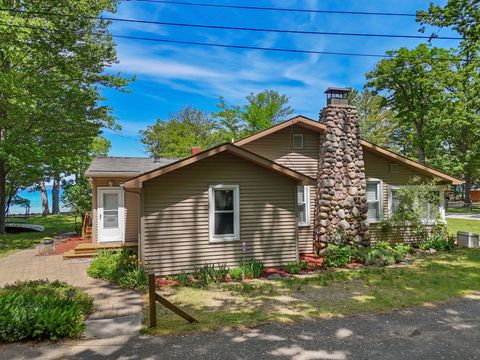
(466, 216)
(110, 301)
(447, 331)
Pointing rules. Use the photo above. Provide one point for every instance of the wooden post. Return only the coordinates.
(151, 300)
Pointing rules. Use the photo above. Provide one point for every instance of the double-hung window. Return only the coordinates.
(303, 196)
(394, 199)
(374, 200)
(224, 212)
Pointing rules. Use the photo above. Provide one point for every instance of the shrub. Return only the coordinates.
(380, 256)
(121, 268)
(438, 242)
(183, 279)
(236, 273)
(403, 249)
(211, 273)
(42, 310)
(295, 267)
(339, 255)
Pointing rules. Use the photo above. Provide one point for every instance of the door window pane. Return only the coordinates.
(110, 211)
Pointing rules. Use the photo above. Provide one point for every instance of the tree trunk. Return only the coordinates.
(466, 189)
(2, 194)
(421, 143)
(56, 195)
(44, 195)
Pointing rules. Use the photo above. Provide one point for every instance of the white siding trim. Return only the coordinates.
(236, 213)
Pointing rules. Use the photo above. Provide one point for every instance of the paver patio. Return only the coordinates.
(109, 301)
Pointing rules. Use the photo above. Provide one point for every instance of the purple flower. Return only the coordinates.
(244, 247)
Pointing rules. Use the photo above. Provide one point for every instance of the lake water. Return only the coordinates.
(36, 201)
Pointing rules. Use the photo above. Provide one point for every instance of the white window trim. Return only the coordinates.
(236, 213)
(293, 142)
(306, 190)
(390, 198)
(380, 199)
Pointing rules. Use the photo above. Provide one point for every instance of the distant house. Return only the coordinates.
(265, 190)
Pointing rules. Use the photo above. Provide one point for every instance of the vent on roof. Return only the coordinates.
(297, 141)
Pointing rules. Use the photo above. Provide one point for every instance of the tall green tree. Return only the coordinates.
(53, 56)
(378, 123)
(261, 111)
(186, 128)
(462, 105)
(412, 83)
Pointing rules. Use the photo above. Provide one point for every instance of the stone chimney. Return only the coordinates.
(341, 206)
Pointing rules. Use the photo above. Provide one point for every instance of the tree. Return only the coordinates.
(52, 61)
(176, 136)
(261, 111)
(412, 83)
(462, 108)
(77, 192)
(378, 123)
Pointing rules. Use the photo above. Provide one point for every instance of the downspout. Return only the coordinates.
(139, 246)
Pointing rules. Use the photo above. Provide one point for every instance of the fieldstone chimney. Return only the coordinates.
(341, 206)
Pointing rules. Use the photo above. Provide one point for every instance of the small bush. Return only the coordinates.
(295, 267)
(121, 268)
(438, 242)
(403, 249)
(183, 279)
(380, 256)
(42, 310)
(339, 255)
(236, 273)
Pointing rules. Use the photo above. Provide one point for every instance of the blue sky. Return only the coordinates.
(169, 76)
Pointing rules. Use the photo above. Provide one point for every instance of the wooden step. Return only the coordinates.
(71, 255)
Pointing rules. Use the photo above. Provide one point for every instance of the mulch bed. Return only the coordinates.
(67, 245)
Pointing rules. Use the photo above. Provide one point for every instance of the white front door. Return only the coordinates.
(111, 214)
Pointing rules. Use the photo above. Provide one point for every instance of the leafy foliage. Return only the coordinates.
(339, 255)
(121, 268)
(42, 310)
(295, 267)
(439, 242)
(236, 273)
(211, 273)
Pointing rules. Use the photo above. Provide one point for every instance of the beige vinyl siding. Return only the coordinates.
(176, 219)
(278, 147)
(131, 210)
(379, 168)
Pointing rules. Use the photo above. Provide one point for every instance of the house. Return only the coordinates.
(265, 190)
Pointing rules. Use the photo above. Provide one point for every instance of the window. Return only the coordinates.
(431, 206)
(374, 200)
(224, 212)
(303, 195)
(394, 199)
(298, 141)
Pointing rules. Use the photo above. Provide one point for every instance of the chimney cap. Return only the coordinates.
(337, 96)
(337, 90)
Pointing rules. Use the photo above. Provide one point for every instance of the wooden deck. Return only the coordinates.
(91, 249)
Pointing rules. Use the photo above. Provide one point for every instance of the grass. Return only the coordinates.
(54, 224)
(433, 278)
(455, 225)
(464, 210)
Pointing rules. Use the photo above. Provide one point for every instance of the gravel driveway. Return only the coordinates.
(447, 331)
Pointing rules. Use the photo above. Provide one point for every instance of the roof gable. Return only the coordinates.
(136, 182)
(366, 145)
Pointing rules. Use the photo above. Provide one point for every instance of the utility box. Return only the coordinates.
(467, 239)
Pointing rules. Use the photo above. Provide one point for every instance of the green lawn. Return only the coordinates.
(455, 225)
(54, 224)
(464, 210)
(432, 278)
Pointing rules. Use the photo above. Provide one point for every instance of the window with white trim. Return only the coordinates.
(394, 199)
(431, 206)
(374, 200)
(224, 212)
(303, 196)
(297, 141)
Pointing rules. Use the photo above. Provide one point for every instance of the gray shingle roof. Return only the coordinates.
(125, 166)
